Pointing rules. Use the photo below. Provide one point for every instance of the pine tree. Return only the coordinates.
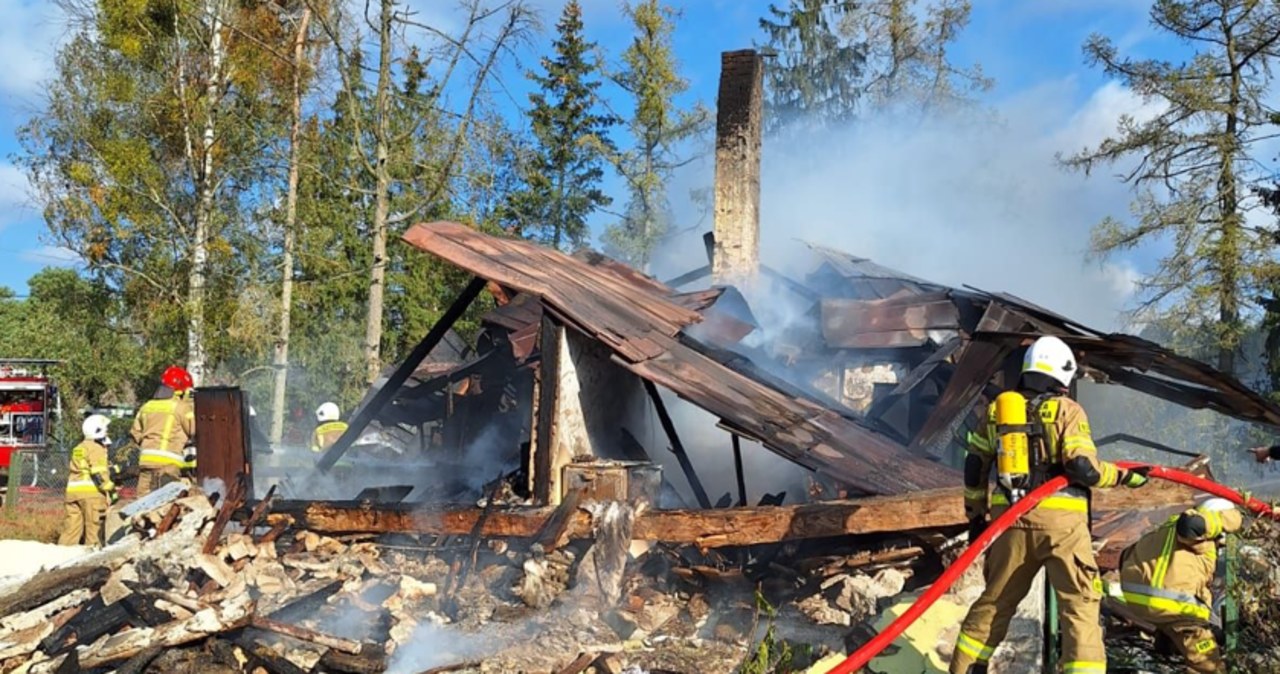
(816, 79)
(657, 127)
(562, 177)
(1194, 161)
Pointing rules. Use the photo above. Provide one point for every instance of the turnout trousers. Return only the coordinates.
(1189, 638)
(153, 477)
(1012, 563)
(83, 522)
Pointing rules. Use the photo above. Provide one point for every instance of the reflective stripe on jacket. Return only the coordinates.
(162, 428)
(88, 458)
(326, 434)
(1169, 576)
(1067, 436)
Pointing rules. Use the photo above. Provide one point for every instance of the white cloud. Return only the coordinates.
(14, 206)
(53, 256)
(30, 33)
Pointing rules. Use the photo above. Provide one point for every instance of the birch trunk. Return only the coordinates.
(281, 360)
(196, 355)
(382, 177)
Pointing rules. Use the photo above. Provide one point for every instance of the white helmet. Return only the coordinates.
(95, 427)
(1216, 504)
(327, 412)
(1051, 356)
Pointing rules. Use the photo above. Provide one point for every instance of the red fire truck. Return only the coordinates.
(29, 406)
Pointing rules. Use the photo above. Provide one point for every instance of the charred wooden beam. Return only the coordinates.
(233, 501)
(542, 460)
(371, 659)
(677, 447)
(306, 602)
(401, 374)
(310, 636)
(263, 657)
(49, 585)
(711, 528)
(923, 510)
(737, 468)
(579, 664)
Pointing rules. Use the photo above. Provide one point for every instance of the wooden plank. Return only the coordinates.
(348, 646)
(233, 501)
(920, 510)
(580, 664)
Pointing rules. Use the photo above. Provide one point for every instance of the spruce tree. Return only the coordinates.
(815, 79)
(658, 127)
(562, 177)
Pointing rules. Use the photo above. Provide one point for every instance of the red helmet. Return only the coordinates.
(176, 378)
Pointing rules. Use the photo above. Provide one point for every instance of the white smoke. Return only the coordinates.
(435, 645)
(956, 201)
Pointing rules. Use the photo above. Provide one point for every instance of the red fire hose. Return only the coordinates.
(871, 649)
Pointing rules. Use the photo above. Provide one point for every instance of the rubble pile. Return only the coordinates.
(193, 583)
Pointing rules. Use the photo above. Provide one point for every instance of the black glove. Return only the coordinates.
(977, 525)
(1192, 526)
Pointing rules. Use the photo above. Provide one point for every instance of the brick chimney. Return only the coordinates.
(739, 108)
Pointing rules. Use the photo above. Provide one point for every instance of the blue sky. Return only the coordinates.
(1032, 48)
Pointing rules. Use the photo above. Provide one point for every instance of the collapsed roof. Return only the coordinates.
(958, 343)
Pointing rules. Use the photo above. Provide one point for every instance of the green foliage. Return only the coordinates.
(658, 127)
(815, 80)
(908, 70)
(77, 321)
(562, 177)
(837, 60)
(1254, 591)
(774, 655)
(1191, 163)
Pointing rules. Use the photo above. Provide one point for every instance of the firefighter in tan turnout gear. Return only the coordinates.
(90, 490)
(163, 428)
(1033, 434)
(1165, 579)
(329, 429)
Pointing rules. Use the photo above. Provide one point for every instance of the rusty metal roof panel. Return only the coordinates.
(641, 325)
(887, 323)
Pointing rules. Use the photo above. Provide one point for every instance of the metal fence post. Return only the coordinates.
(1230, 607)
(15, 482)
(1050, 627)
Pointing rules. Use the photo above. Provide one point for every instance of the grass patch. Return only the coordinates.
(35, 519)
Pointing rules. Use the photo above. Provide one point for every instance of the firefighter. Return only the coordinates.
(1055, 535)
(1165, 579)
(163, 429)
(329, 429)
(1265, 454)
(90, 490)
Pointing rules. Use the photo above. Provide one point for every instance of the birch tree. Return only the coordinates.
(143, 154)
(280, 362)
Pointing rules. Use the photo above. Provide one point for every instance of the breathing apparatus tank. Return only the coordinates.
(1013, 454)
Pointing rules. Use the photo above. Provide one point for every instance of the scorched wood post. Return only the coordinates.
(737, 467)
(401, 374)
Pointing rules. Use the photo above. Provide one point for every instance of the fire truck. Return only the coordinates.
(29, 406)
